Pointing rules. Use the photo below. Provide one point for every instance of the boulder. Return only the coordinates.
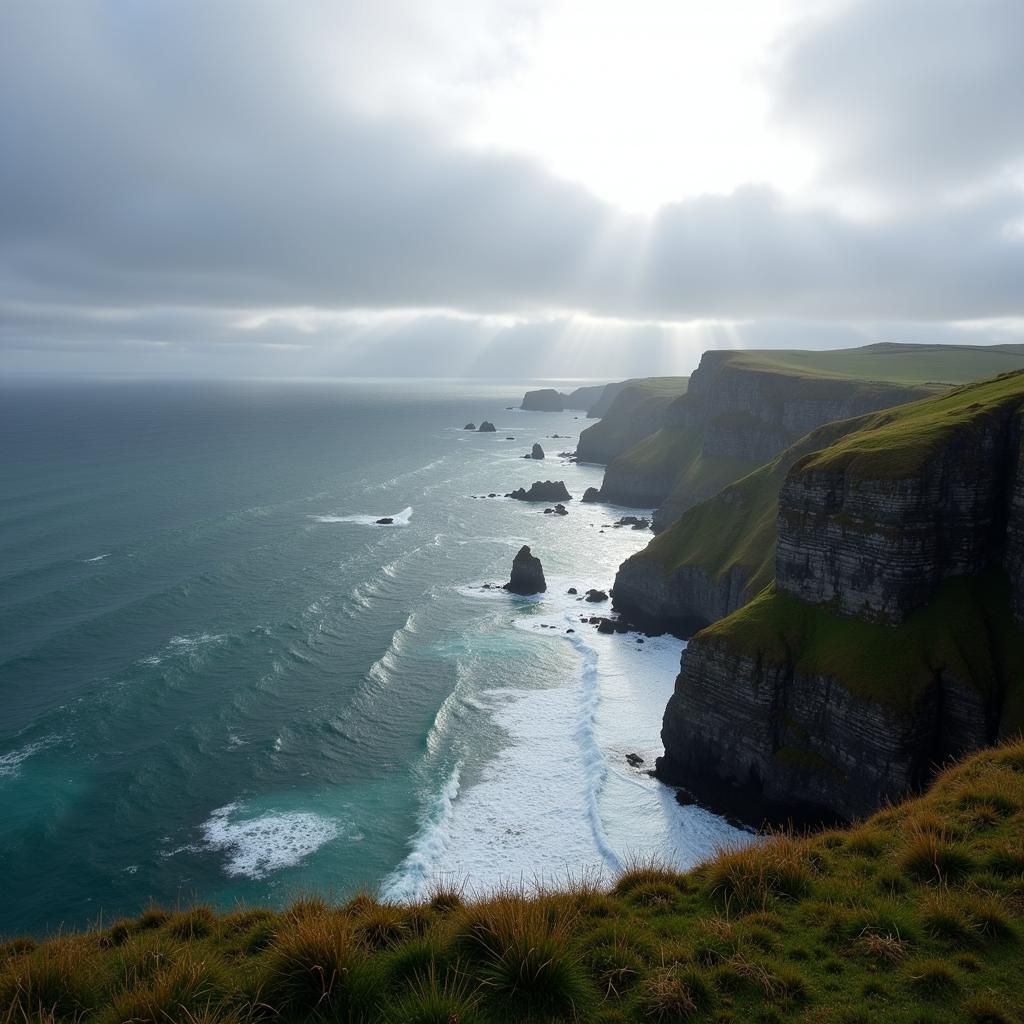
(596, 596)
(572, 590)
(469, 426)
(486, 427)
(591, 494)
(527, 574)
(386, 521)
(542, 490)
(560, 510)
(536, 452)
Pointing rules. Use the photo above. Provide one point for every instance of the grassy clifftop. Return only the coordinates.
(915, 916)
(901, 441)
(891, 363)
(636, 410)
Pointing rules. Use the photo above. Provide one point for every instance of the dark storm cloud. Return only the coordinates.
(169, 165)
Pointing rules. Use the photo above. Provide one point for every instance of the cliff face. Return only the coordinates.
(720, 553)
(749, 414)
(803, 738)
(636, 411)
(892, 638)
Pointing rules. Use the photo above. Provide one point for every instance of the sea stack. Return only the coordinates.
(542, 490)
(591, 494)
(537, 452)
(486, 427)
(527, 574)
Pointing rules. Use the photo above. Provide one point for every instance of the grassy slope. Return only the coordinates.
(915, 916)
(900, 445)
(967, 627)
(737, 527)
(641, 401)
(915, 365)
(898, 364)
(671, 457)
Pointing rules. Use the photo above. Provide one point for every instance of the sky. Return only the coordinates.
(565, 188)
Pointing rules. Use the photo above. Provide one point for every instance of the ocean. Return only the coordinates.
(221, 680)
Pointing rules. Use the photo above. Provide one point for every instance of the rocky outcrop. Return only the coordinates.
(544, 400)
(542, 490)
(486, 427)
(892, 637)
(527, 574)
(536, 452)
(591, 494)
(469, 426)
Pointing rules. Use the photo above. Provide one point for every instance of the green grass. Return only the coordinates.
(898, 364)
(636, 411)
(901, 442)
(966, 628)
(737, 527)
(900, 918)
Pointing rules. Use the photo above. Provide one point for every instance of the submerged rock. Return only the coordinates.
(536, 452)
(527, 574)
(487, 427)
(386, 521)
(542, 490)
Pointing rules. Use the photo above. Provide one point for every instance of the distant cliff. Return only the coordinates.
(637, 409)
(740, 410)
(891, 639)
(720, 553)
(594, 398)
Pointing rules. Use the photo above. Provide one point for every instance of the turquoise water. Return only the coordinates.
(220, 679)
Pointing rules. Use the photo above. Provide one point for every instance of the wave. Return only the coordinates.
(10, 763)
(98, 558)
(397, 519)
(257, 847)
(409, 880)
(384, 484)
(189, 646)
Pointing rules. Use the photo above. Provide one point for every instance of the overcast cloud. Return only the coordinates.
(221, 187)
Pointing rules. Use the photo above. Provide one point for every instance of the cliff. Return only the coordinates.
(637, 409)
(720, 553)
(743, 407)
(891, 639)
(589, 397)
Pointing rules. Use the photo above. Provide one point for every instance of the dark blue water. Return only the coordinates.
(220, 679)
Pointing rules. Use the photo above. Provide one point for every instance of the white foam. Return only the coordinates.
(98, 558)
(560, 800)
(257, 847)
(399, 518)
(11, 762)
(411, 878)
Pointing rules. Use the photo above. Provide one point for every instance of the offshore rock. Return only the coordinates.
(469, 426)
(542, 490)
(591, 494)
(536, 452)
(544, 400)
(486, 427)
(527, 574)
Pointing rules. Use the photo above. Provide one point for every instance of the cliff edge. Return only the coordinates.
(891, 639)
